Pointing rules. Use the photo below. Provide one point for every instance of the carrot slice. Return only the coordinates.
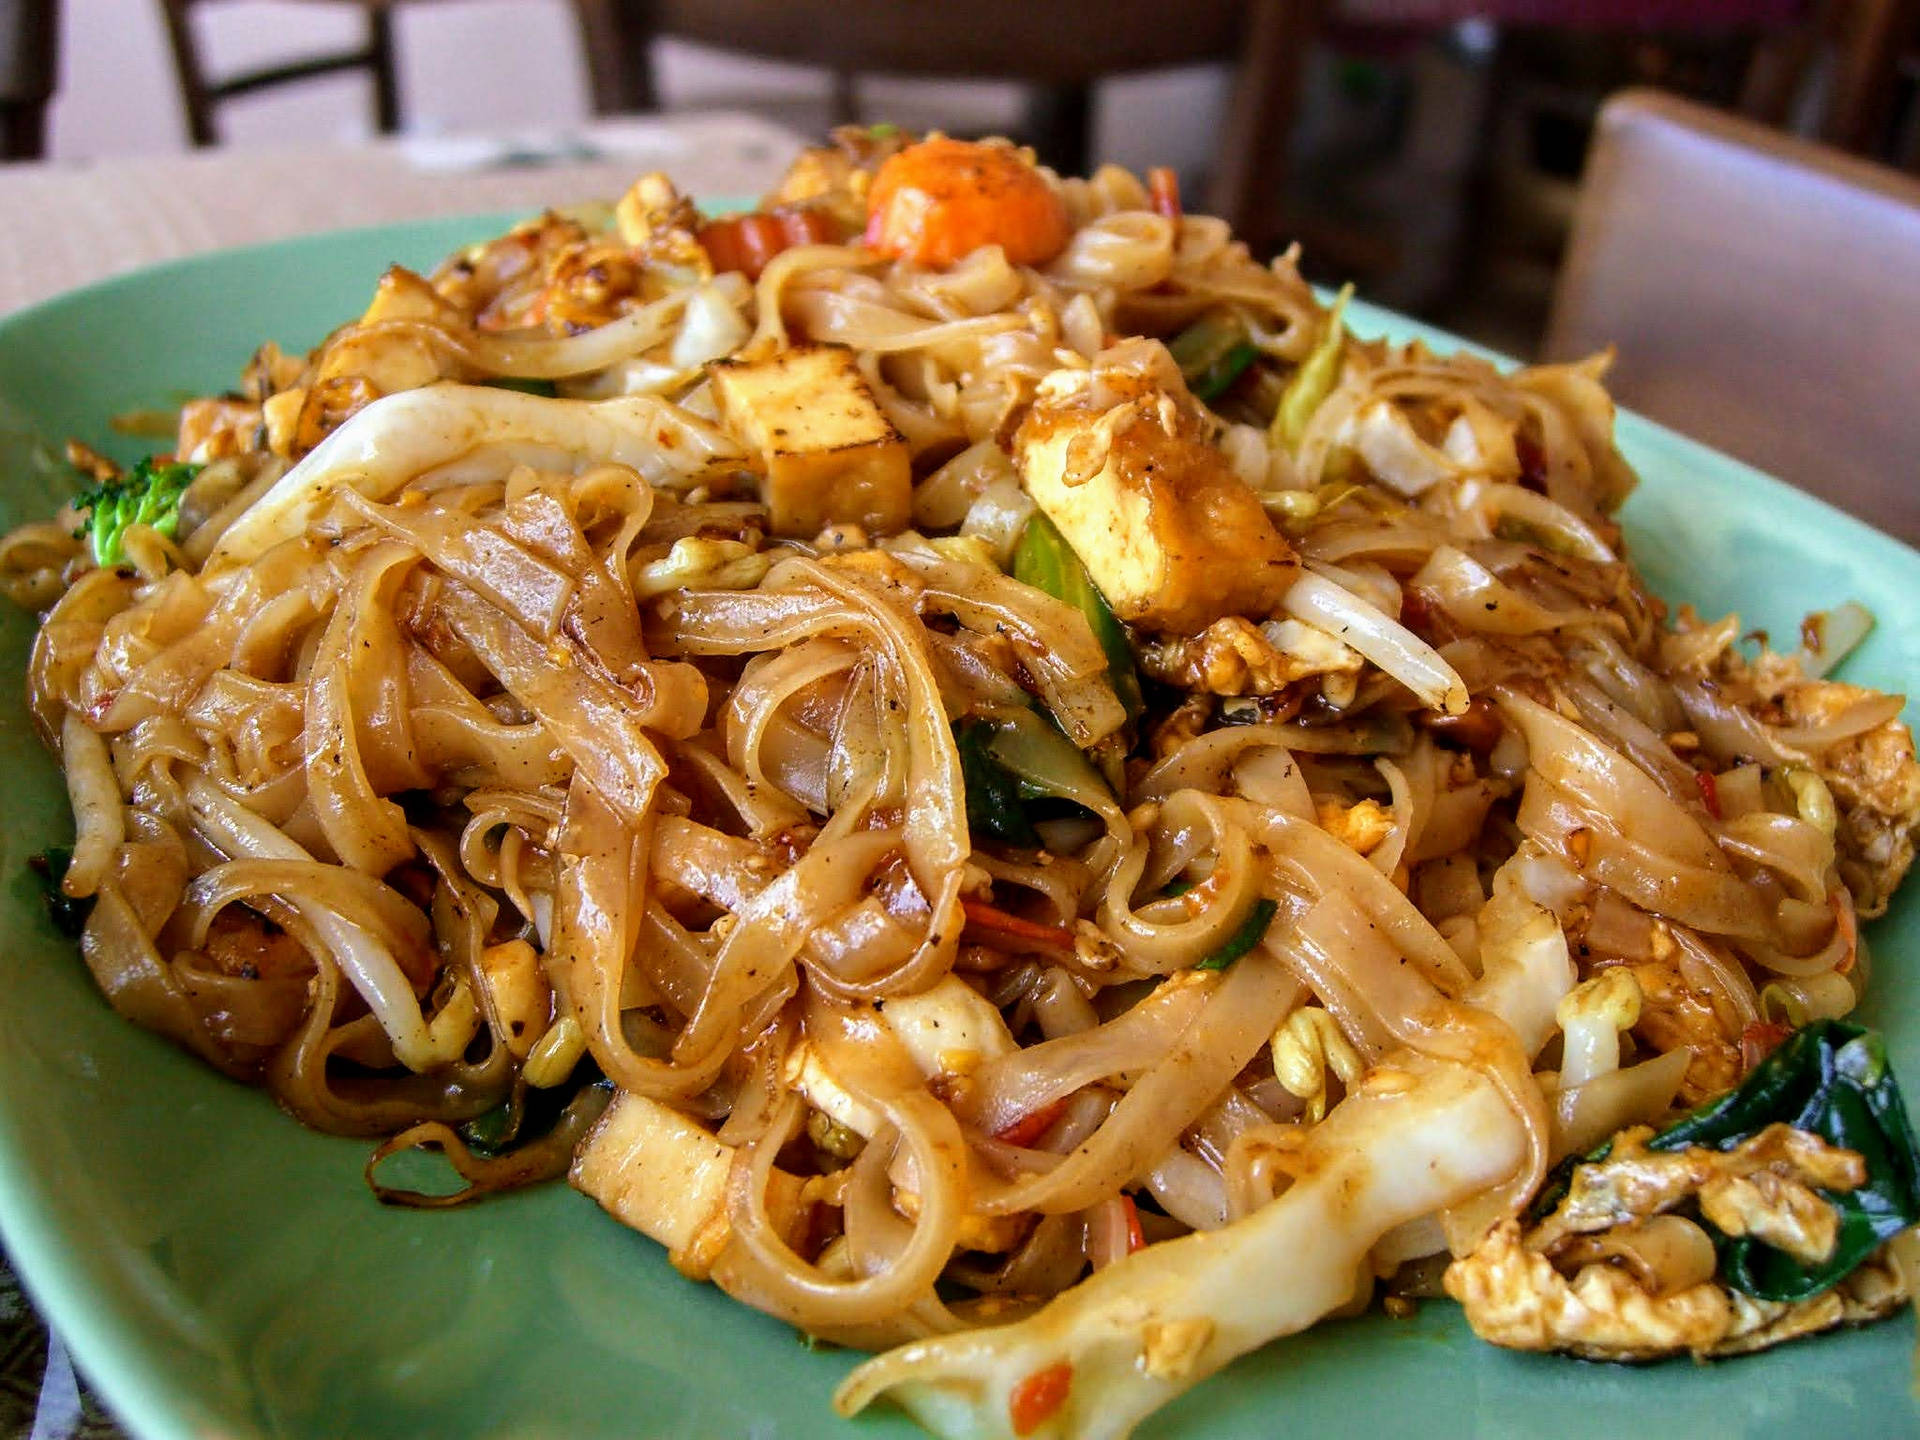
(1163, 192)
(983, 916)
(937, 202)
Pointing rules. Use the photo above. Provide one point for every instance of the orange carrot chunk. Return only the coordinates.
(1038, 1398)
(940, 200)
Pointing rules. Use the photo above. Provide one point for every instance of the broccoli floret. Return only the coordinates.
(149, 494)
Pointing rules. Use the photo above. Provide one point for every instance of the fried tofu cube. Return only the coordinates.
(826, 450)
(1174, 539)
(658, 1171)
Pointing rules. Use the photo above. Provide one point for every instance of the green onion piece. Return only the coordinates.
(1315, 379)
(1245, 938)
(1044, 560)
(1213, 352)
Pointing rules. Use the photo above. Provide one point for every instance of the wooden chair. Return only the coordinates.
(1764, 293)
(1062, 50)
(202, 96)
(28, 66)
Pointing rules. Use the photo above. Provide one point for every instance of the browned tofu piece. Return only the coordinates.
(1172, 536)
(827, 452)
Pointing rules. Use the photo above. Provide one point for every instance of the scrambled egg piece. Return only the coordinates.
(1363, 827)
(1120, 458)
(1612, 1274)
(1233, 656)
(1876, 781)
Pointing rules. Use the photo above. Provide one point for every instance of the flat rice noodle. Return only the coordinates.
(822, 601)
(359, 658)
(1160, 936)
(369, 963)
(602, 725)
(1616, 795)
(1238, 1017)
(454, 732)
(1035, 1076)
(599, 913)
(534, 592)
(1316, 860)
(139, 983)
(769, 930)
(1712, 900)
(1799, 853)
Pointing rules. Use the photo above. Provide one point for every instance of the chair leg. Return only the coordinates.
(617, 36)
(386, 84)
(1060, 125)
(1250, 171)
(1867, 73)
(190, 73)
(23, 130)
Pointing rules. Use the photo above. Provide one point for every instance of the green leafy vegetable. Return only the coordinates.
(1013, 761)
(1244, 939)
(1213, 352)
(49, 867)
(149, 494)
(1829, 1079)
(994, 806)
(544, 388)
(1315, 379)
(1044, 560)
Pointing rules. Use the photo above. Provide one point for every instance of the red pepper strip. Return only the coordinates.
(1163, 192)
(804, 225)
(1136, 1237)
(1038, 1398)
(1709, 787)
(1849, 926)
(1761, 1039)
(1031, 1126)
(991, 917)
(743, 242)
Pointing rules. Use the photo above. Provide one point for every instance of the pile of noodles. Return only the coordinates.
(468, 746)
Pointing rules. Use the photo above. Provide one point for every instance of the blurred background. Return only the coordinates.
(1432, 148)
(1752, 196)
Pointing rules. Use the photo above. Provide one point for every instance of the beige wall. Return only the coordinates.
(479, 65)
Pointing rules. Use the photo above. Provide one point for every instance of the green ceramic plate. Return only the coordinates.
(219, 1271)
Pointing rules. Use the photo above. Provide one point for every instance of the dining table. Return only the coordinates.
(70, 223)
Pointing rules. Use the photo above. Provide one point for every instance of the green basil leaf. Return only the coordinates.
(1829, 1079)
